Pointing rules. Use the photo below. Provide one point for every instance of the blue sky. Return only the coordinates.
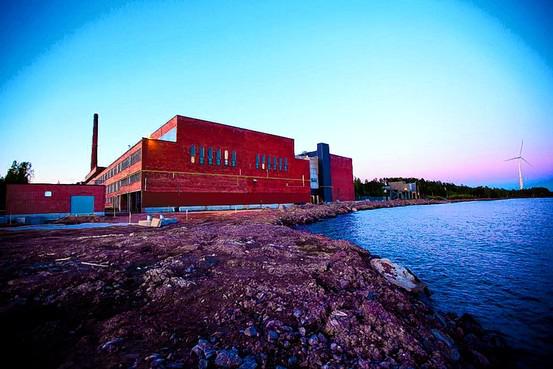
(435, 89)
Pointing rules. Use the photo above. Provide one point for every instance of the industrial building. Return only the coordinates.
(41, 201)
(195, 164)
(331, 176)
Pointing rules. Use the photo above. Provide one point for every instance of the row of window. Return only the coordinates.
(114, 187)
(207, 155)
(133, 159)
(271, 162)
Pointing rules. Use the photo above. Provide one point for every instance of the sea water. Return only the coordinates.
(492, 259)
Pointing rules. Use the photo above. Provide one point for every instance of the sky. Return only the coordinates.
(443, 90)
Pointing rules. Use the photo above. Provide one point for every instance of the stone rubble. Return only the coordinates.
(241, 290)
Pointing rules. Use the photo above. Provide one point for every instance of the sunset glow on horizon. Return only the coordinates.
(440, 90)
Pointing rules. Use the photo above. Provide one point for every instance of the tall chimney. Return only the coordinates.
(94, 156)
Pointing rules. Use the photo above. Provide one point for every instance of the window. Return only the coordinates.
(193, 154)
(47, 193)
(256, 161)
(226, 157)
(135, 157)
(170, 135)
(274, 163)
(285, 164)
(263, 161)
(233, 159)
(268, 162)
(218, 156)
(210, 156)
(202, 155)
(280, 164)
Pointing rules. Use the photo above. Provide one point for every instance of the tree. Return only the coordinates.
(19, 172)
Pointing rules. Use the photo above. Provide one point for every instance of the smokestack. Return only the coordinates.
(94, 156)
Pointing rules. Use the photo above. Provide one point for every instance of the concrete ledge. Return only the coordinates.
(231, 207)
(159, 210)
(40, 218)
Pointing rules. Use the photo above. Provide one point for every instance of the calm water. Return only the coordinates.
(493, 259)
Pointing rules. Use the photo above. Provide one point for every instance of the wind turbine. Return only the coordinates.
(519, 160)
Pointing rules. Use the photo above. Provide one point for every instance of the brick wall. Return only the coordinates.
(341, 169)
(30, 198)
(170, 178)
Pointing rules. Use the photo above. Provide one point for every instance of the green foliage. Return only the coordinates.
(438, 189)
(19, 172)
(374, 188)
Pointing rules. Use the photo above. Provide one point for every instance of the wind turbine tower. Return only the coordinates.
(519, 160)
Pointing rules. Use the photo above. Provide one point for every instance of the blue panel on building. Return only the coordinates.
(82, 204)
(325, 180)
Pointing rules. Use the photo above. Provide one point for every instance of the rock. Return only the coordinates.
(313, 340)
(297, 312)
(292, 361)
(174, 365)
(480, 360)
(302, 331)
(372, 295)
(454, 354)
(203, 349)
(250, 331)
(111, 345)
(156, 360)
(203, 364)
(443, 337)
(272, 335)
(228, 358)
(398, 275)
(249, 362)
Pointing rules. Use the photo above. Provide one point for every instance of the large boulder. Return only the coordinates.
(398, 275)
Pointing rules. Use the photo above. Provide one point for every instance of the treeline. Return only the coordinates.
(437, 189)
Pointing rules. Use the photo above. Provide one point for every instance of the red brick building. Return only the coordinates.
(190, 162)
(331, 176)
(54, 200)
(341, 174)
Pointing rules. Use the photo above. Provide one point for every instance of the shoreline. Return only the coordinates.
(223, 290)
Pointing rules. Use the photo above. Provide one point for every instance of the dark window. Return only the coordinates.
(233, 158)
(268, 162)
(218, 156)
(263, 161)
(202, 154)
(285, 164)
(210, 156)
(256, 161)
(280, 164)
(135, 158)
(193, 154)
(274, 163)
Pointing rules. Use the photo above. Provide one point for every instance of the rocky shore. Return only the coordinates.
(237, 290)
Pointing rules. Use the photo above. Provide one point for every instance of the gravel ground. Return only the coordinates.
(221, 290)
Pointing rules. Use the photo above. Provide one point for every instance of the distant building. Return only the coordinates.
(401, 190)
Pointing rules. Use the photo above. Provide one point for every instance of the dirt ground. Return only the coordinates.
(228, 290)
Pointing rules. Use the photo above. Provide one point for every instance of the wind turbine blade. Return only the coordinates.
(526, 161)
(521, 143)
(515, 158)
